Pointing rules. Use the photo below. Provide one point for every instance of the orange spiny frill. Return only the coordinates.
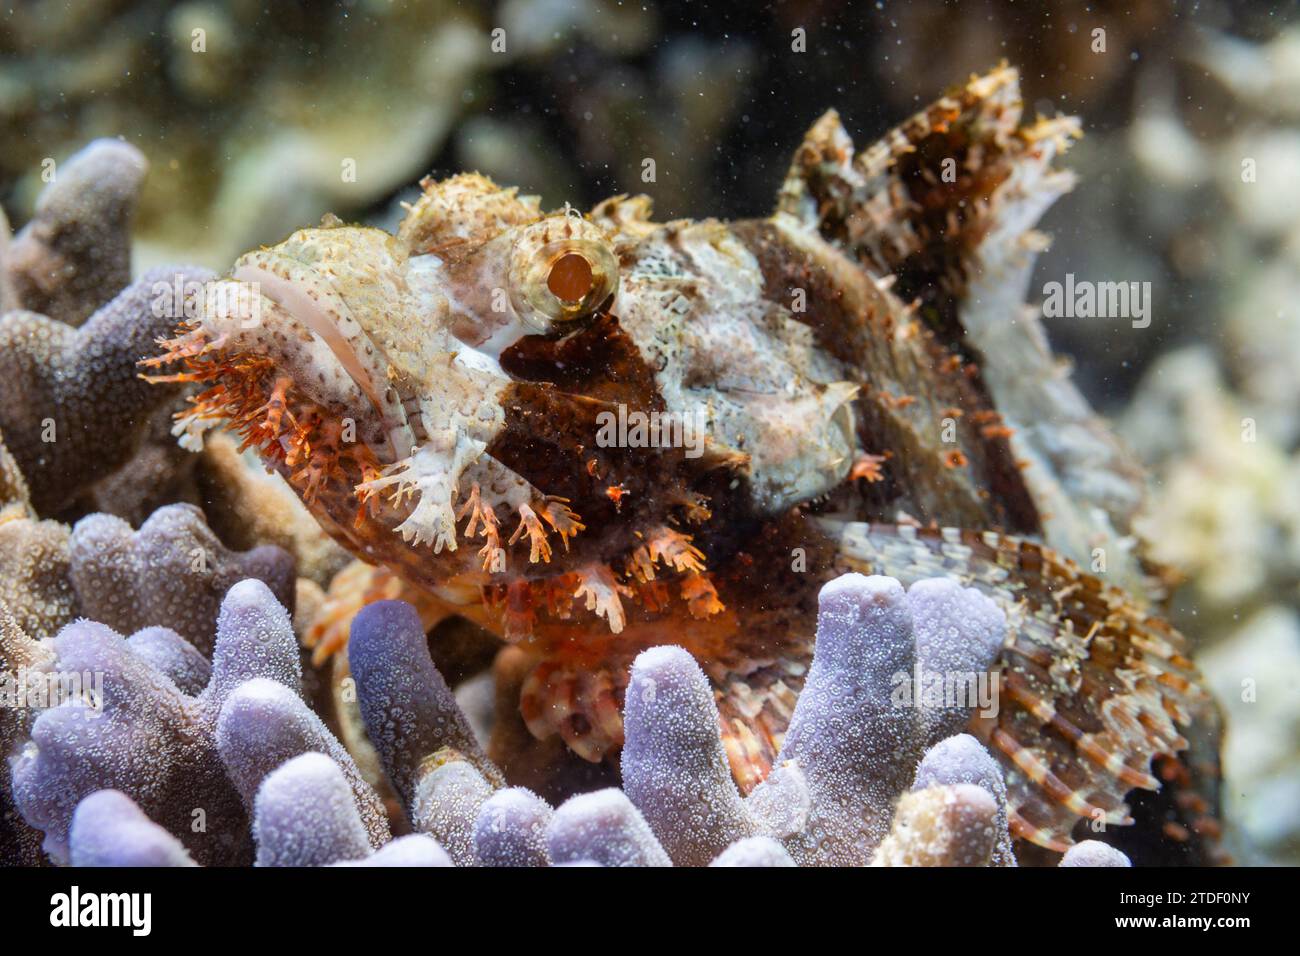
(539, 549)
(565, 522)
(701, 596)
(674, 549)
(492, 554)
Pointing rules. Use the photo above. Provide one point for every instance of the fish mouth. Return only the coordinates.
(343, 335)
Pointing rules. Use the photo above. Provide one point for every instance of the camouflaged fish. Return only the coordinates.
(870, 393)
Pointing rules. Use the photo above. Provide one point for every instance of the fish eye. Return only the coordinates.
(563, 270)
(571, 278)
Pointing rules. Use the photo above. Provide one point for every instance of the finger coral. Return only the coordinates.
(409, 711)
(171, 572)
(264, 724)
(242, 769)
(226, 763)
(855, 747)
(510, 829)
(35, 574)
(146, 738)
(941, 826)
(674, 766)
(605, 828)
(72, 407)
(22, 661)
(754, 851)
(108, 829)
(304, 816)
(116, 572)
(75, 253)
(1094, 853)
(855, 740)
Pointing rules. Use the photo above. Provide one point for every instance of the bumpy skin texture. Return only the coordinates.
(60, 386)
(108, 829)
(1094, 853)
(264, 724)
(862, 355)
(152, 742)
(604, 828)
(75, 253)
(961, 759)
(303, 815)
(172, 571)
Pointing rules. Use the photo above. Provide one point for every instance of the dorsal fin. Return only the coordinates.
(918, 202)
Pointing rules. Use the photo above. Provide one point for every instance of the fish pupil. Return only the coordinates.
(570, 278)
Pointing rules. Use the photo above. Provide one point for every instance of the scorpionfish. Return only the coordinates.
(595, 433)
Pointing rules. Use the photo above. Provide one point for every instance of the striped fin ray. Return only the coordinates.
(1093, 688)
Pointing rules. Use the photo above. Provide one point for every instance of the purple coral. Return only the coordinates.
(415, 849)
(674, 767)
(1094, 853)
(304, 815)
(605, 828)
(839, 791)
(409, 711)
(962, 760)
(76, 251)
(59, 385)
(510, 829)
(424, 741)
(150, 740)
(173, 656)
(754, 851)
(851, 751)
(264, 724)
(854, 742)
(851, 743)
(448, 797)
(108, 829)
(115, 572)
